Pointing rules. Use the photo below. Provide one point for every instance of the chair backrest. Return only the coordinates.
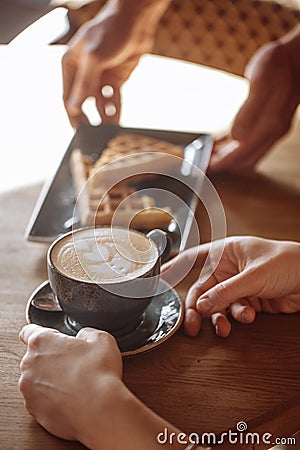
(222, 34)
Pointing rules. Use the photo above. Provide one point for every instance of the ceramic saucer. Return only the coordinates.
(160, 321)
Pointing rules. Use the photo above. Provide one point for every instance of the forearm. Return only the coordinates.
(291, 42)
(142, 9)
(132, 425)
(142, 5)
(146, 426)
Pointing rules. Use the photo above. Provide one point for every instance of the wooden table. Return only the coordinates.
(205, 384)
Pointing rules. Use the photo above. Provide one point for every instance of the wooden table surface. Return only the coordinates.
(205, 384)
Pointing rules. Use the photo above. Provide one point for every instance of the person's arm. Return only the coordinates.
(247, 275)
(266, 116)
(291, 42)
(104, 52)
(72, 386)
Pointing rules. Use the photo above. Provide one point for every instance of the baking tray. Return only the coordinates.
(53, 214)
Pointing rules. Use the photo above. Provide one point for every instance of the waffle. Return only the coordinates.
(136, 157)
(103, 199)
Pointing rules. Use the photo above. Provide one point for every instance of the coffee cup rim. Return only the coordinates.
(91, 281)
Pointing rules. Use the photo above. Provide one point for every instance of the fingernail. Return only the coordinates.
(110, 109)
(72, 101)
(204, 305)
(245, 317)
(217, 330)
(73, 106)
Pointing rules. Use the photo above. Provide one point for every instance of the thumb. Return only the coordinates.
(221, 296)
(224, 155)
(93, 335)
(104, 347)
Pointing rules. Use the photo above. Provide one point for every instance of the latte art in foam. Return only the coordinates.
(105, 255)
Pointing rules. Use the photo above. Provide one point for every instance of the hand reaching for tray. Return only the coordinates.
(104, 52)
(253, 275)
(266, 116)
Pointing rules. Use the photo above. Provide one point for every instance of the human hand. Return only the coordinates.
(253, 275)
(266, 115)
(104, 52)
(71, 384)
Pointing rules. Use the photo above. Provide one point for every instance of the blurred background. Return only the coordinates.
(16, 15)
(191, 85)
(35, 130)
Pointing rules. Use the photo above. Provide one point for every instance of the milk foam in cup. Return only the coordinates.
(105, 277)
(105, 256)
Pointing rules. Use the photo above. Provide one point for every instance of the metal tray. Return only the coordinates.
(53, 213)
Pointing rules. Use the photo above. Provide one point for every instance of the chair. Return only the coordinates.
(222, 34)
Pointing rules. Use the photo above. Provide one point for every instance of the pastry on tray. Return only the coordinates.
(107, 188)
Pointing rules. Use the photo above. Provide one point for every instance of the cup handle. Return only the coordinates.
(161, 239)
